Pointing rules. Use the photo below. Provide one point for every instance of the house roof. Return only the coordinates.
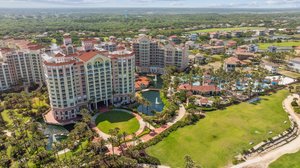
(59, 55)
(233, 60)
(297, 48)
(203, 89)
(244, 54)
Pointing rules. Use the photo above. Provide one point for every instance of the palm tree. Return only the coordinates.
(191, 79)
(189, 163)
(86, 117)
(112, 141)
(124, 134)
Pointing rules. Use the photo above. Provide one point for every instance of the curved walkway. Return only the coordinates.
(106, 136)
(263, 161)
(155, 132)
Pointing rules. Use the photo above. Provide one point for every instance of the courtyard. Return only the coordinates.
(126, 122)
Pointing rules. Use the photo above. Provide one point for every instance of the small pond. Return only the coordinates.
(156, 81)
(56, 133)
(156, 104)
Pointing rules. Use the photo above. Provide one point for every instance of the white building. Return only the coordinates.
(152, 56)
(21, 66)
(123, 70)
(272, 68)
(294, 64)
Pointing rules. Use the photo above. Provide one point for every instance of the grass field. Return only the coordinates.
(290, 74)
(217, 57)
(114, 119)
(264, 46)
(289, 161)
(215, 140)
(226, 29)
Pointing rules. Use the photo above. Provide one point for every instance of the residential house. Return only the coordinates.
(231, 63)
(205, 90)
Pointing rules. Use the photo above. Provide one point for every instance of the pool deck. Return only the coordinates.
(50, 119)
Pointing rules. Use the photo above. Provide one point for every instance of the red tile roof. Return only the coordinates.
(204, 100)
(86, 56)
(35, 47)
(233, 60)
(203, 89)
(59, 55)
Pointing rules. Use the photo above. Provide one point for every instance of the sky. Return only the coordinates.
(151, 3)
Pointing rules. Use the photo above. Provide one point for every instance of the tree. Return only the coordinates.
(189, 163)
(86, 116)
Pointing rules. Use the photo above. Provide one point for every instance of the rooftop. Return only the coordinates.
(203, 89)
(233, 60)
(86, 56)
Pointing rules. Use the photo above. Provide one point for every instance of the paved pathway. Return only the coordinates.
(63, 151)
(153, 133)
(181, 113)
(96, 129)
(7, 133)
(262, 161)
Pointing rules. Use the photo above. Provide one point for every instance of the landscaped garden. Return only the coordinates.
(224, 134)
(117, 119)
(289, 160)
(23, 106)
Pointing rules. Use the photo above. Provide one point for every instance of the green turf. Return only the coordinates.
(227, 29)
(290, 74)
(115, 119)
(215, 140)
(288, 161)
(264, 46)
(217, 57)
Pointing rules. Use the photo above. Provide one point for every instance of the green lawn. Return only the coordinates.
(83, 145)
(217, 57)
(116, 119)
(227, 29)
(290, 74)
(215, 140)
(289, 161)
(264, 46)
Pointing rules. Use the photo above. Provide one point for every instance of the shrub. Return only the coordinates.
(208, 108)
(294, 103)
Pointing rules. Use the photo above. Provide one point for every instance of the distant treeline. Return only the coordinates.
(127, 25)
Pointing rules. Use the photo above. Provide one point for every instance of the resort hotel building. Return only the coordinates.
(20, 63)
(93, 75)
(90, 78)
(152, 56)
